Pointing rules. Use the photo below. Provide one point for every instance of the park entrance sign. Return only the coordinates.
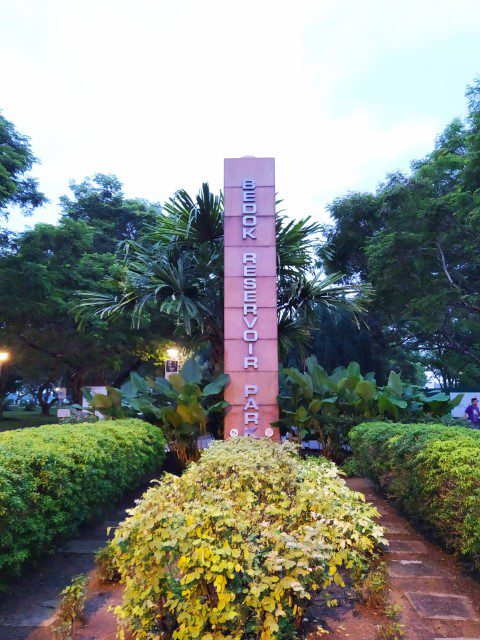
(251, 349)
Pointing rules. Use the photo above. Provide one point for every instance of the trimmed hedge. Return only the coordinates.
(235, 547)
(55, 477)
(434, 473)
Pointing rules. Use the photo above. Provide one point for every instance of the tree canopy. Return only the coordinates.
(38, 285)
(416, 241)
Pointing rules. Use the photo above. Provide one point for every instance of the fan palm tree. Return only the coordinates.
(176, 269)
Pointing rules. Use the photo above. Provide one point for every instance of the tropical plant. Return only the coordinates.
(312, 401)
(177, 269)
(108, 406)
(183, 405)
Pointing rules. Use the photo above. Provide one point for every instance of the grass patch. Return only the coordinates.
(19, 419)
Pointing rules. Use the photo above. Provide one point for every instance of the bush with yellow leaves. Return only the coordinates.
(235, 548)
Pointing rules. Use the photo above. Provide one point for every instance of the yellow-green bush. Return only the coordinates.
(235, 547)
(55, 477)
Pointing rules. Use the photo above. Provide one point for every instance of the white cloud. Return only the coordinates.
(160, 92)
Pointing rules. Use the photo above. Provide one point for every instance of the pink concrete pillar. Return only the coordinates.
(251, 347)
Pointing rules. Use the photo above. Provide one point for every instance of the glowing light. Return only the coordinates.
(172, 354)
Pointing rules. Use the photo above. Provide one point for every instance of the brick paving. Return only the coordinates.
(438, 599)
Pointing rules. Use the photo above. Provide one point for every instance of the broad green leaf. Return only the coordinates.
(87, 394)
(161, 385)
(395, 383)
(217, 385)
(139, 384)
(385, 406)
(218, 406)
(315, 405)
(353, 370)
(191, 371)
(366, 390)
(176, 381)
(171, 416)
(114, 394)
(101, 401)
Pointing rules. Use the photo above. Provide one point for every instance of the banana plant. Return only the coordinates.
(108, 406)
(182, 405)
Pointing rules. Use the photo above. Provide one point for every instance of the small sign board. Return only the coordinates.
(171, 366)
(63, 413)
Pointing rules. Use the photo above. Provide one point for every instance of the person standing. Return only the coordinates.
(472, 414)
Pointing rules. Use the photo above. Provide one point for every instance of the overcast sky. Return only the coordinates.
(158, 92)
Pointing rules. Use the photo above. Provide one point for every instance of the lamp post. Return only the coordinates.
(4, 357)
(171, 365)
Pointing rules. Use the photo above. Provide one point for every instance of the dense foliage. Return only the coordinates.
(434, 473)
(55, 477)
(416, 241)
(17, 188)
(39, 278)
(325, 407)
(236, 546)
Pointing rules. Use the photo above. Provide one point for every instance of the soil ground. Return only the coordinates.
(437, 597)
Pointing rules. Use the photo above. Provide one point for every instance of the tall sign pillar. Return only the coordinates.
(251, 346)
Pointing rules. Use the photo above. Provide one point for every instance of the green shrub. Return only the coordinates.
(106, 565)
(236, 546)
(55, 477)
(71, 611)
(434, 473)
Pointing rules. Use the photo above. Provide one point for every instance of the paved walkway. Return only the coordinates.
(438, 598)
(32, 600)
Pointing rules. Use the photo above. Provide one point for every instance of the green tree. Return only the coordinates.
(38, 284)
(17, 188)
(177, 269)
(100, 203)
(416, 242)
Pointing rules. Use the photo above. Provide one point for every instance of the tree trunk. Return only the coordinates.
(216, 351)
(123, 376)
(43, 400)
(76, 385)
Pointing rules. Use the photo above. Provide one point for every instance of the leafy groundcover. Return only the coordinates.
(55, 477)
(434, 473)
(236, 547)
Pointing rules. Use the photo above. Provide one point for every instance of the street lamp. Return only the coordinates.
(4, 356)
